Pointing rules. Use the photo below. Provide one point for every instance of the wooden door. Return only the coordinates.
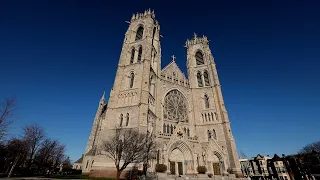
(172, 167)
(216, 169)
(180, 168)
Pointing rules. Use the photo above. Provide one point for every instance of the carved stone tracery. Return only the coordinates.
(175, 107)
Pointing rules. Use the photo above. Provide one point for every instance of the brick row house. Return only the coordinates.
(264, 167)
(304, 166)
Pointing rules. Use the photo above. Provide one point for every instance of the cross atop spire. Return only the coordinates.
(173, 58)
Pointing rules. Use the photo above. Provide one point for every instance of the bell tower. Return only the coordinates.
(139, 64)
(212, 122)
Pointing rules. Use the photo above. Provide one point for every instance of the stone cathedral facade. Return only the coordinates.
(186, 115)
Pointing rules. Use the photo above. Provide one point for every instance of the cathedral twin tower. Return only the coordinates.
(187, 116)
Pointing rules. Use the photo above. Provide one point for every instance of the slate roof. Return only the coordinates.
(79, 160)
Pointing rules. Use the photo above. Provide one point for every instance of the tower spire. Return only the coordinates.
(102, 100)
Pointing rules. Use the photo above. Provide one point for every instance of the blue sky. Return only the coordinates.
(58, 57)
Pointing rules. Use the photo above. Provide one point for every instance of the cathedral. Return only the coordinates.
(187, 115)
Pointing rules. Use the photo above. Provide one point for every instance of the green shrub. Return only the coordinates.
(161, 168)
(202, 169)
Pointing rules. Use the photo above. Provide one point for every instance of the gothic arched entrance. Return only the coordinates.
(214, 164)
(180, 159)
(176, 160)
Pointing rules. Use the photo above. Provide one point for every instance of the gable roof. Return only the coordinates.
(171, 68)
(259, 157)
(92, 151)
(79, 160)
(276, 157)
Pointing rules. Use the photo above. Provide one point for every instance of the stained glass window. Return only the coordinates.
(175, 107)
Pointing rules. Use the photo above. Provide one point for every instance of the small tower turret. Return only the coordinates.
(96, 124)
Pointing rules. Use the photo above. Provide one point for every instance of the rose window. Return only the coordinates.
(175, 107)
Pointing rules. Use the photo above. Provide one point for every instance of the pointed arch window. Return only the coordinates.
(164, 128)
(121, 119)
(158, 156)
(206, 101)
(206, 78)
(199, 78)
(153, 34)
(214, 134)
(139, 34)
(151, 85)
(132, 55)
(140, 54)
(131, 79)
(199, 58)
(127, 123)
(87, 164)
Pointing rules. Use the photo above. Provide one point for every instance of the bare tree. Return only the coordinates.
(128, 146)
(58, 155)
(7, 108)
(33, 136)
(16, 152)
(315, 146)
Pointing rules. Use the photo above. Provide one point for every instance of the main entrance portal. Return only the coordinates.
(180, 160)
(176, 162)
